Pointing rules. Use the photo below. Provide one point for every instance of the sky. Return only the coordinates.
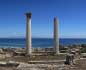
(71, 16)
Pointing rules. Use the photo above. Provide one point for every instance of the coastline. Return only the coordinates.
(39, 42)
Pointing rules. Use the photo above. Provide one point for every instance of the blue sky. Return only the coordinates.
(71, 15)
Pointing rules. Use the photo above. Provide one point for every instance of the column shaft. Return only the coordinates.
(56, 39)
(28, 34)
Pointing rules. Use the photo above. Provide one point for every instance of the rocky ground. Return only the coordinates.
(38, 62)
(80, 65)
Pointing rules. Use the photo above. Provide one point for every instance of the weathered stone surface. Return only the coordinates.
(84, 55)
(56, 39)
(69, 59)
(28, 34)
(80, 65)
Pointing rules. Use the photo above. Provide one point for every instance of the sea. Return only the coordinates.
(38, 42)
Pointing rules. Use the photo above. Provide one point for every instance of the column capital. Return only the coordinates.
(55, 18)
(29, 14)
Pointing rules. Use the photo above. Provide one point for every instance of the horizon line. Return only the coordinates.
(43, 37)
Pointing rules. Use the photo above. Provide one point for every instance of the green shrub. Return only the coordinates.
(83, 50)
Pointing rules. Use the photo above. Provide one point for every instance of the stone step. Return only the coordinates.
(47, 62)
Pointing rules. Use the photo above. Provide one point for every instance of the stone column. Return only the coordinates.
(28, 34)
(56, 39)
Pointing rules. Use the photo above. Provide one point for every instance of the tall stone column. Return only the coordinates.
(28, 34)
(56, 38)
